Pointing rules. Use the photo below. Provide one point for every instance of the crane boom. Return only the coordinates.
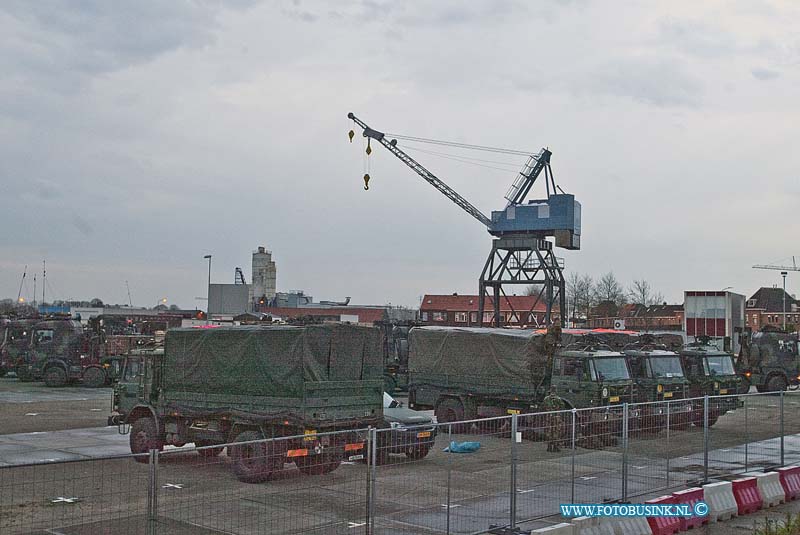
(432, 179)
(793, 267)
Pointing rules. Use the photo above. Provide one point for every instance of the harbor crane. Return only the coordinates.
(521, 252)
(784, 271)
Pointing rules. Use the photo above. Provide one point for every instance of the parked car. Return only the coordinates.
(405, 431)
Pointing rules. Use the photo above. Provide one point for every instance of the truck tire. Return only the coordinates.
(207, 453)
(55, 377)
(22, 374)
(415, 453)
(94, 377)
(144, 437)
(776, 383)
(3, 371)
(318, 465)
(250, 461)
(450, 410)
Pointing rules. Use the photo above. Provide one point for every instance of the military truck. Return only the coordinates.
(658, 377)
(466, 373)
(710, 372)
(395, 354)
(216, 386)
(769, 360)
(15, 337)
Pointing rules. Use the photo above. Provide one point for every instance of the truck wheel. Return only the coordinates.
(22, 374)
(144, 437)
(55, 376)
(776, 383)
(94, 377)
(416, 453)
(744, 386)
(3, 371)
(317, 465)
(207, 453)
(250, 462)
(450, 410)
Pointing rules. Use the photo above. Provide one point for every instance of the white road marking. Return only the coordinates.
(587, 478)
(62, 499)
(445, 506)
(352, 525)
(172, 486)
(526, 491)
(31, 414)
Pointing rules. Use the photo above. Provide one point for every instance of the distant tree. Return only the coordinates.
(580, 294)
(608, 288)
(96, 303)
(534, 289)
(174, 307)
(641, 293)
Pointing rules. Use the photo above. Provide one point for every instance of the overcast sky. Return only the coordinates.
(136, 137)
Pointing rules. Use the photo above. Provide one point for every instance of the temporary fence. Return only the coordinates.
(478, 476)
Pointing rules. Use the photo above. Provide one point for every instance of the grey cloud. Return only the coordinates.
(764, 74)
(83, 226)
(697, 38)
(655, 81)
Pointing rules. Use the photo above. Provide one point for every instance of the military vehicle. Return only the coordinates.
(395, 354)
(769, 360)
(216, 386)
(710, 372)
(658, 376)
(466, 373)
(406, 432)
(15, 337)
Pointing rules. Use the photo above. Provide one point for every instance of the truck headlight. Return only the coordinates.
(605, 392)
(716, 385)
(660, 388)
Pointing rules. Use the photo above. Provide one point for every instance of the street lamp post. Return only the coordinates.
(208, 293)
(784, 273)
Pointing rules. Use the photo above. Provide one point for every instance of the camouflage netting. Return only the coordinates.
(270, 361)
(476, 356)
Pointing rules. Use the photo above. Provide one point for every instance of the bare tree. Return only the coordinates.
(534, 289)
(580, 294)
(608, 288)
(641, 293)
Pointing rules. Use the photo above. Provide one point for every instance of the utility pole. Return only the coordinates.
(208, 311)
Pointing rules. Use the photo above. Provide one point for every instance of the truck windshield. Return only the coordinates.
(610, 369)
(665, 367)
(721, 365)
(132, 369)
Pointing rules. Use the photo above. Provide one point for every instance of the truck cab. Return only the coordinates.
(659, 377)
(710, 372)
(54, 353)
(15, 337)
(591, 377)
(769, 360)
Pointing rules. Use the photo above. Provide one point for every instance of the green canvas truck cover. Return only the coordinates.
(271, 361)
(477, 358)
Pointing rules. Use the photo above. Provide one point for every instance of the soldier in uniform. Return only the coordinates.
(555, 423)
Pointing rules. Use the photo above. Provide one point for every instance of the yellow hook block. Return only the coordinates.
(366, 181)
(351, 134)
(369, 148)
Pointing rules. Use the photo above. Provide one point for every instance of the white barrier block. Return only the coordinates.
(631, 525)
(770, 488)
(720, 501)
(587, 525)
(558, 529)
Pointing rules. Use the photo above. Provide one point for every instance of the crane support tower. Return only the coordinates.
(521, 252)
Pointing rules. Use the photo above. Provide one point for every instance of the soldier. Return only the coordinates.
(555, 424)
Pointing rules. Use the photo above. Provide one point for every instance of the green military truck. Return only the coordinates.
(223, 385)
(658, 376)
(769, 360)
(15, 337)
(466, 373)
(710, 372)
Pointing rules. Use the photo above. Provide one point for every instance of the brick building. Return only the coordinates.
(462, 310)
(637, 317)
(765, 307)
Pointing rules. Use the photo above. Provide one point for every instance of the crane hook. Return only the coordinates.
(351, 134)
(369, 149)
(366, 181)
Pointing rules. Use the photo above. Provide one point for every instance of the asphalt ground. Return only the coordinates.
(196, 495)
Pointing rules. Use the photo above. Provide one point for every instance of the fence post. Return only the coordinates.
(574, 422)
(625, 452)
(513, 522)
(783, 460)
(373, 459)
(668, 415)
(449, 472)
(705, 438)
(746, 437)
(152, 493)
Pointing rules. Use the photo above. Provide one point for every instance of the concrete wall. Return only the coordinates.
(231, 299)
